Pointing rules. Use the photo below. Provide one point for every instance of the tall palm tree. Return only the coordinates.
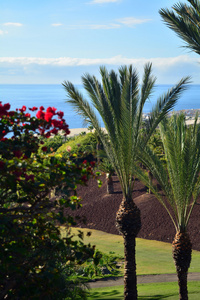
(185, 21)
(119, 99)
(179, 179)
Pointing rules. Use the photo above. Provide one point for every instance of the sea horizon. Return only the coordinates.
(54, 95)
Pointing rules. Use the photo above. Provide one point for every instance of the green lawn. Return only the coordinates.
(153, 257)
(153, 291)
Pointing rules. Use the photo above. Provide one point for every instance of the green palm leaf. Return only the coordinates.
(184, 20)
(120, 101)
(179, 177)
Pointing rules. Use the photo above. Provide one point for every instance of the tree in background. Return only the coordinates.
(35, 261)
(119, 99)
(185, 21)
(178, 177)
(108, 169)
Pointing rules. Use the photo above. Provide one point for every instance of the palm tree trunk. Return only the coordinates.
(182, 253)
(150, 175)
(128, 222)
(110, 187)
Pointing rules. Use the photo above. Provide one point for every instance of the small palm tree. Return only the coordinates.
(119, 99)
(107, 167)
(185, 21)
(179, 179)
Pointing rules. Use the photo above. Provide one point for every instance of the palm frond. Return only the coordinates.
(179, 175)
(120, 103)
(163, 105)
(184, 20)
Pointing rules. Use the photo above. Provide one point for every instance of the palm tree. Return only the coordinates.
(179, 179)
(185, 21)
(119, 99)
(107, 167)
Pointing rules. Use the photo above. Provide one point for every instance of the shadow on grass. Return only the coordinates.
(106, 295)
(116, 295)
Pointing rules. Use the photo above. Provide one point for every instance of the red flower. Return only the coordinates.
(2, 110)
(33, 108)
(7, 106)
(41, 131)
(2, 164)
(27, 115)
(85, 162)
(54, 131)
(55, 123)
(29, 177)
(11, 113)
(40, 115)
(44, 149)
(60, 114)
(17, 153)
(17, 173)
(47, 135)
(48, 116)
(92, 163)
(23, 108)
(51, 110)
(84, 178)
(41, 107)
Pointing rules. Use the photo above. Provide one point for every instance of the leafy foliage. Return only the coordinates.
(80, 148)
(184, 20)
(32, 250)
(53, 143)
(178, 174)
(81, 143)
(106, 167)
(120, 101)
(101, 265)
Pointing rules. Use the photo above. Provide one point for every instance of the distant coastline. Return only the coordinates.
(189, 113)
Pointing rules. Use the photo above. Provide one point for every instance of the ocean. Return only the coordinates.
(55, 95)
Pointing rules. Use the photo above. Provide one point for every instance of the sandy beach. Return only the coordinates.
(76, 131)
(189, 113)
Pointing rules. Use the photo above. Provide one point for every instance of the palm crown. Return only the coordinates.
(120, 101)
(179, 180)
(178, 176)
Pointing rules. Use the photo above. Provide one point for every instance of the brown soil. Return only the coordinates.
(100, 211)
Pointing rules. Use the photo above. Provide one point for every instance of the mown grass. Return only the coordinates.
(152, 257)
(153, 291)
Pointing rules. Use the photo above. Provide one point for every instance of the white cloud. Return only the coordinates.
(103, 1)
(161, 62)
(3, 32)
(168, 70)
(13, 24)
(56, 24)
(130, 21)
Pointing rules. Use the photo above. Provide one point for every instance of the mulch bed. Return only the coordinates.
(100, 209)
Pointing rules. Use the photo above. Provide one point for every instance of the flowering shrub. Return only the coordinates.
(35, 261)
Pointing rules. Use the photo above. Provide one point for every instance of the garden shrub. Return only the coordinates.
(80, 148)
(35, 261)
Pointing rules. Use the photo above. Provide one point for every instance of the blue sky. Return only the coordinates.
(50, 41)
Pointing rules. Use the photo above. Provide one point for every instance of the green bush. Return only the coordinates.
(81, 143)
(53, 143)
(79, 148)
(101, 265)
